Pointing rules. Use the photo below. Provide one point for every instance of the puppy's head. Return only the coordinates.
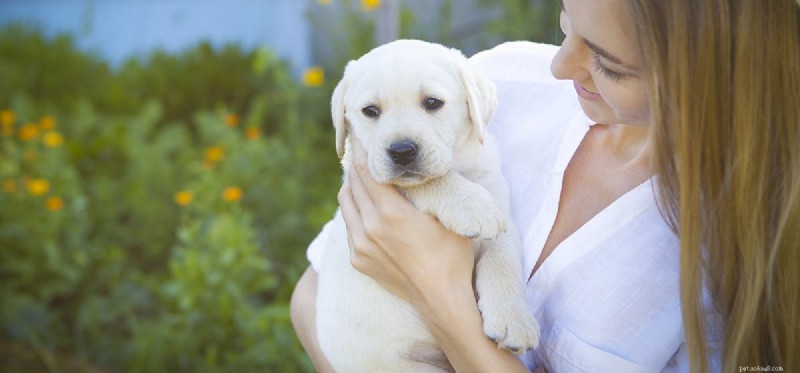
(414, 106)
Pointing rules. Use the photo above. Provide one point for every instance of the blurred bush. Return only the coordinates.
(154, 217)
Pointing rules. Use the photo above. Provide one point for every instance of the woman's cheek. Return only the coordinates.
(630, 103)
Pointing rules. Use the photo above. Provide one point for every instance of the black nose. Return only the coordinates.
(403, 152)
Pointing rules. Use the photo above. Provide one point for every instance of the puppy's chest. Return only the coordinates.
(430, 197)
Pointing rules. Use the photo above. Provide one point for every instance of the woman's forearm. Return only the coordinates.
(304, 319)
(456, 323)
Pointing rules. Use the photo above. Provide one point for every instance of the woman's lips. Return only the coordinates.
(585, 94)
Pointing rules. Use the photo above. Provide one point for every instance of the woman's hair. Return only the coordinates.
(724, 80)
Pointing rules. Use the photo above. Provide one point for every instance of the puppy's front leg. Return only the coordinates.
(499, 283)
(460, 205)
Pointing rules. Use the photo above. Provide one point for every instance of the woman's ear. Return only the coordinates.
(481, 98)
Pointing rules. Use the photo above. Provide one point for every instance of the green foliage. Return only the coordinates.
(535, 20)
(203, 77)
(53, 71)
(105, 263)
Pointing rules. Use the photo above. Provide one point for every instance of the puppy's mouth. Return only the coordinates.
(409, 177)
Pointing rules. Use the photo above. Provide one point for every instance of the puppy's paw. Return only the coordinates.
(475, 215)
(511, 325)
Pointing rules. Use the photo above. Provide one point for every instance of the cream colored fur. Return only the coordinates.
(456, 177)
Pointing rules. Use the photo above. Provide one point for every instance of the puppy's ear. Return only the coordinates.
(338, 111)
(481, 98)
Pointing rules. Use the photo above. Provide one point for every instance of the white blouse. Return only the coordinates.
(607, 298)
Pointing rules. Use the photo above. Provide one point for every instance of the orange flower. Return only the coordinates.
(314, 77)
(54, 203)
(52, 139)
(231, 120)
(232, 194)
(252, 133)
(7, 118)
(28, 131)
(47, 123)
(184, 197)
(370, 4)
(214, 154)
(37, 187)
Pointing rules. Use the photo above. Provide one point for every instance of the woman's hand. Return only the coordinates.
(405, 250)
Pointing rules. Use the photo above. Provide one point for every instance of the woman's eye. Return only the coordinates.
(611, 74)
(431, 103)
(371, 111)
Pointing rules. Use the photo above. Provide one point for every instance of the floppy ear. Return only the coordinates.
(337, 111)
(481, 98)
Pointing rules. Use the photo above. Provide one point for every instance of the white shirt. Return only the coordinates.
(607, 298)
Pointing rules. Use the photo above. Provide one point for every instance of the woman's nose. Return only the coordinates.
(572, 61)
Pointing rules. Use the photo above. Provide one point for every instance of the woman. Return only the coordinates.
(693, 115)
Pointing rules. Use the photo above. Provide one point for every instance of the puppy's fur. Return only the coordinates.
(423, 129)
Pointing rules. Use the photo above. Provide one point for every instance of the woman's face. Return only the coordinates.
(598, 55)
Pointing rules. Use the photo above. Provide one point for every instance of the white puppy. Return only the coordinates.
(420, 112)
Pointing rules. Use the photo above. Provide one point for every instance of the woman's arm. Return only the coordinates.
(304, 318)
(412, 255)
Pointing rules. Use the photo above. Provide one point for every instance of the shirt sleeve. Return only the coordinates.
(315, 250)
(516, 61)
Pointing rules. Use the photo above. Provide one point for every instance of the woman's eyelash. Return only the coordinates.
(611, 74)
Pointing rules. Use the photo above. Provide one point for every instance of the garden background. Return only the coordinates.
(154, 216)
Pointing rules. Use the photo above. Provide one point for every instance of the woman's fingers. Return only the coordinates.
(381, 195)
(354, 222)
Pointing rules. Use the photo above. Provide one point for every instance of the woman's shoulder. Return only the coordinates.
(518, 61)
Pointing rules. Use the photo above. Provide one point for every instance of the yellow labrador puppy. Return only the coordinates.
(420, 112)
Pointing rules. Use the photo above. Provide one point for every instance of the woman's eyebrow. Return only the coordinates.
(605, 54)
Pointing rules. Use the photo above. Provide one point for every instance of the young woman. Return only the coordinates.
(656, 185)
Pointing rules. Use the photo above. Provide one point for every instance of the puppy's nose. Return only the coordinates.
(403, 152)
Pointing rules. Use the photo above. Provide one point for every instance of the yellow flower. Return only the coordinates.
(52, 139)
(252, 133)
(28, 131)
(184, 198)
(314, 77)
(370, 4)
(324, 2)
(47, 123)
(54, 203)
(37, 187)
(7, 118)
(232, 194)
(231, 120)
(214, 154)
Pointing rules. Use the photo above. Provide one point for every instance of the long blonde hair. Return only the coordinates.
(724, 77)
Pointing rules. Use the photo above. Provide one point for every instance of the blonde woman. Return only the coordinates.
(655, 178)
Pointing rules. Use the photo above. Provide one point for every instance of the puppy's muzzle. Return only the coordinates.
(403, 152)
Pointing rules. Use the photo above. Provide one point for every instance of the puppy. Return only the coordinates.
(420, 112)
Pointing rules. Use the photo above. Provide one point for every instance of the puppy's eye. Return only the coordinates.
(371, 111)
(432, 103)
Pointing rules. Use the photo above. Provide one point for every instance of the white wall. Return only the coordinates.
(119, 29)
